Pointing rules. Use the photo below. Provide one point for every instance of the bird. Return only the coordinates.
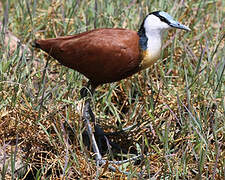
(107, 55)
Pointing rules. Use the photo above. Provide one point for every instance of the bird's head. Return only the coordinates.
(150, 34)
(160, 21)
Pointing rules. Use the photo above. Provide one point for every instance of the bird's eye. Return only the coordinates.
(163, 19)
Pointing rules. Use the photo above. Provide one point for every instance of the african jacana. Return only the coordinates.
(110, 54)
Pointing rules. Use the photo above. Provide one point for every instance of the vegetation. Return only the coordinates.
(177, 106)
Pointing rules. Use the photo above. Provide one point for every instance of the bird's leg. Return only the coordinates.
(88, 110)
(84, 92)
(87, 116)
(88, 88)
(99, 133)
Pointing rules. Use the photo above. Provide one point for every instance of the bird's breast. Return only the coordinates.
(153, 50)
(148, 58)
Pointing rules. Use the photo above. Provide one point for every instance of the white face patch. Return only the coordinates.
(153, 23)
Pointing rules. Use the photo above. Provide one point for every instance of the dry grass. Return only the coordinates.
(178, 105)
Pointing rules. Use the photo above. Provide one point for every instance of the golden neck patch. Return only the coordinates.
(148, 59)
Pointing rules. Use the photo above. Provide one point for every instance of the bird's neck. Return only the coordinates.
(150, 43)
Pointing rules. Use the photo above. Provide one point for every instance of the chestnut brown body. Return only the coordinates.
(102, 55)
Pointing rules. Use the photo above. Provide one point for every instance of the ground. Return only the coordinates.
(175, 109)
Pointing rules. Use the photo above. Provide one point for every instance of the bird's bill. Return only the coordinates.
(178, 25)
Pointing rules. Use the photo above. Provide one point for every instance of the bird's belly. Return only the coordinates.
(99, 74)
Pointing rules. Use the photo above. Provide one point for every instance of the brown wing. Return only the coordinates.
(102, 55)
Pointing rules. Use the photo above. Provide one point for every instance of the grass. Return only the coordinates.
(178, 105)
